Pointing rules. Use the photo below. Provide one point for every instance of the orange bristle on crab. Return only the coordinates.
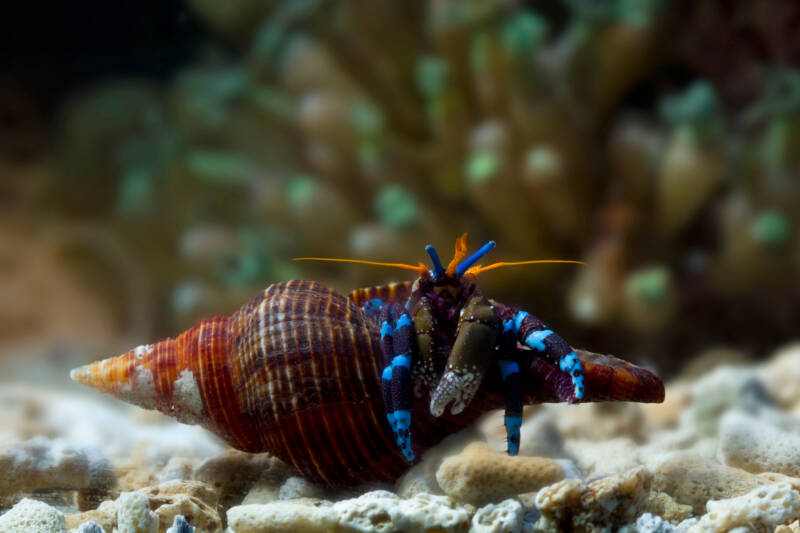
(353, 389)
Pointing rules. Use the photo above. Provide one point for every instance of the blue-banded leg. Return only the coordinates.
(396, 343)
(401, 382)
(373, 307)
(512, 385)
(387, 346)
(534, 334)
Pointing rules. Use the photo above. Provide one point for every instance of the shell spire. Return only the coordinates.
(163, 375)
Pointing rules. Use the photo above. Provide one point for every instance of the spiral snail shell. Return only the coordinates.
(297, 372)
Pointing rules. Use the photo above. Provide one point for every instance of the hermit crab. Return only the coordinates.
(353, 389)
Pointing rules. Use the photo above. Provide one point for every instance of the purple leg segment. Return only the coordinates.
(534, 334)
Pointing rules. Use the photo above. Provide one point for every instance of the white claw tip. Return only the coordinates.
(436, 409)
(458, 408)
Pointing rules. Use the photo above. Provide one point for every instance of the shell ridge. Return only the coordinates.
(326, 453)
(372, 450)
(215, 377)
(291, 379)
(279, 306)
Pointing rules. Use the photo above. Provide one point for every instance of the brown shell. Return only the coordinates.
(296, 372)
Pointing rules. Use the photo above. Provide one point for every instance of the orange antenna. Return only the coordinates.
(456, 268)
(478, 269)
(420, 269)
(461, 251)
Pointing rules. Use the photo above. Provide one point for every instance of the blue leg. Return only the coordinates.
(373, 307)
(512, 381)
(396, 344)
(533, 333)
(401, 383)
(387, 346)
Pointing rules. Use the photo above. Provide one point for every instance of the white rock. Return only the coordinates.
(41, 463)
(134, 514)
(503, 517)
(101, 471)
(421, 478)
(297, 487)
(380, 511)
(668, 440)
(761, 509)
(721, 390)
(281, 517)
(177, 468)
(653, 457)
(685, 525)
(110, 427)
(648, 523)
(373, 512)
(781, 375)
(261, 493)
(604, 458)
(90, 527)
(31, 516)
(748, 443)
(104, 424)
(779, 419)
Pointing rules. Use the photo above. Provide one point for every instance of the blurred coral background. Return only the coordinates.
(161, 161)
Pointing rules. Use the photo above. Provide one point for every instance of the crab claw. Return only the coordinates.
(469, 359)
(456, 387)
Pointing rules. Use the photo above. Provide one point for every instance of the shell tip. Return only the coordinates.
(79, 374)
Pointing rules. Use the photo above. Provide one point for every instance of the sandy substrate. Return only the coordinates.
(721, 454)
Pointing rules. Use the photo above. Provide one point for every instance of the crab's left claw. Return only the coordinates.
(469, 358)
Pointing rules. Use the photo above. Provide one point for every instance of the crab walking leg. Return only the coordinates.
(512, 381)
(373, 307)
(387, 347)
(401, 383)
(534, 334)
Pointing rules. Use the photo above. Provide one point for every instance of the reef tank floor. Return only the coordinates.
(722, 453)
